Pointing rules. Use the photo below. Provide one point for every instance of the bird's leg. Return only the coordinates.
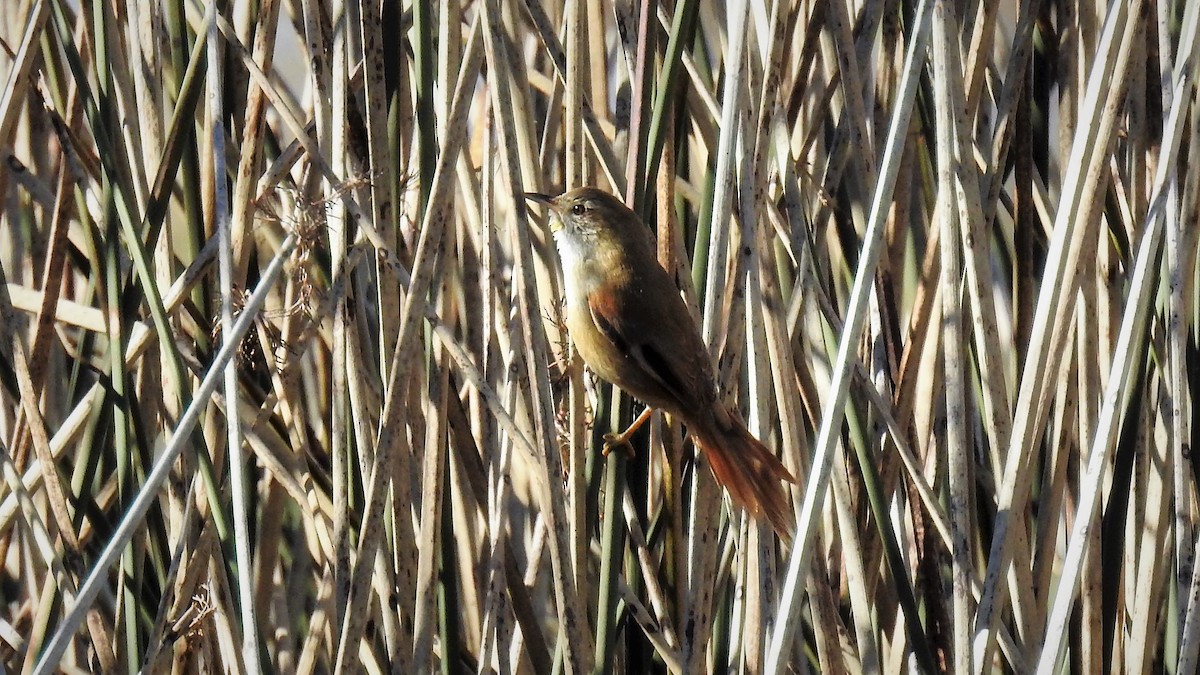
(612, 440)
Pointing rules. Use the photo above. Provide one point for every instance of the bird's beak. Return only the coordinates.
(555, 219)
(539, 198)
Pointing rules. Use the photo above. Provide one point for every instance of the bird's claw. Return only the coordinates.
(612, 441)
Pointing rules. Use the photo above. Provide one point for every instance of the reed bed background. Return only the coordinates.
(943, 253)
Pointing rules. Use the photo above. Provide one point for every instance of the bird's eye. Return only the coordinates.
(578, 209)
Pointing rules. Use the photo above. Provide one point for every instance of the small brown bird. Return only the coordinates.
(631, 327)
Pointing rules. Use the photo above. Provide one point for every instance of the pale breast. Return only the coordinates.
(578, 266)
(608, 363)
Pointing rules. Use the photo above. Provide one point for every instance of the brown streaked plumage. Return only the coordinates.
(631, 327)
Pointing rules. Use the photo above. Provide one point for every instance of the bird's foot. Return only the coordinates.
(613, 441)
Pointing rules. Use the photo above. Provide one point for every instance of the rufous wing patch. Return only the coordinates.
(603, 309)
(651, 361)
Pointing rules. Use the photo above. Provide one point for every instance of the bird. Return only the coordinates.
(628, 322)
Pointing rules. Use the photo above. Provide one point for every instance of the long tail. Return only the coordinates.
(747, 469)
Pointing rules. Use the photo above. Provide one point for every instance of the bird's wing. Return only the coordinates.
(660, 338)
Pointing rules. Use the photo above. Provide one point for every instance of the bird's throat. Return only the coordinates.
(579, 264)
